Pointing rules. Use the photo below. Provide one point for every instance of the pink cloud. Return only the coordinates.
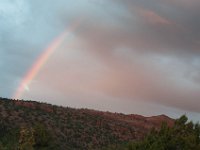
(153, 17)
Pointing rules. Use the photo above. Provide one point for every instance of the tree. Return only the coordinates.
(183, 135)
(26, 140)
(42, 136)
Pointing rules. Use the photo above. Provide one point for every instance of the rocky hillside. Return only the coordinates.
(68, 128)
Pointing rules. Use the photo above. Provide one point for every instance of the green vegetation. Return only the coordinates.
(183, 135)
(28, 125)
(25, 138)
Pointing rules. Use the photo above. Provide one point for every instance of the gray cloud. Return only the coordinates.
(139, 50)
(145, 26)
(26, 28)
(156, 30)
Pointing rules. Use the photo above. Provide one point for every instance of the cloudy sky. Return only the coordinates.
(130, 56)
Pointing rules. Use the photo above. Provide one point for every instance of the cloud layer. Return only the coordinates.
(124, 52)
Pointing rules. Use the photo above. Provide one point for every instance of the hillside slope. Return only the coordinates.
(73, 129)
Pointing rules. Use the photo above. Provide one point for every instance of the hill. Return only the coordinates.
(44, 126)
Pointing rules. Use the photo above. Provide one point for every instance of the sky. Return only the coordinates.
(127, 56)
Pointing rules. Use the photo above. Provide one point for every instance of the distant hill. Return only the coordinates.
(44, 126)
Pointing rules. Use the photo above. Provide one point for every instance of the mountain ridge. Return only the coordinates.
(79, 128)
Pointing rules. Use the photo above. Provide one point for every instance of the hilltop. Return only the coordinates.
(48, 126)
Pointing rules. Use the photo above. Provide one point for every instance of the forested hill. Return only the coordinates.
(40, 126)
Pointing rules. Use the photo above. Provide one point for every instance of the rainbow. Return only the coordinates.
(42, 59)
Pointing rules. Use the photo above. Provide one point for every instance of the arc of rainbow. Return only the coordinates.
(42, 59)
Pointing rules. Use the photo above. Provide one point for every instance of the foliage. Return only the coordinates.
(42, 137)
(183, 135)
(8, 136)
(26, 139)
(39, 126)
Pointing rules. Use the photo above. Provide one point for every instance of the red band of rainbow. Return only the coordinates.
(42, 59)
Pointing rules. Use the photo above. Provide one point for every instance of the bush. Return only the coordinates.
(182, 136)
